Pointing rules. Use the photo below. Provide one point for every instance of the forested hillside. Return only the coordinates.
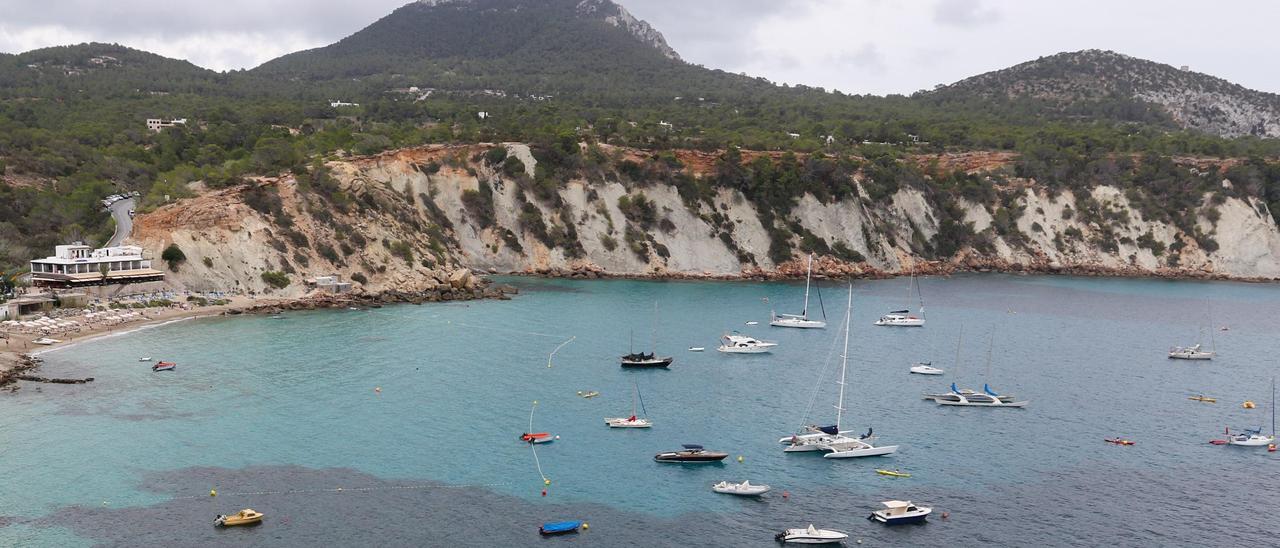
(568, 77)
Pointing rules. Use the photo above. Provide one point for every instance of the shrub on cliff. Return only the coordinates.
(174, 256)
(278, 280)
(479, 203)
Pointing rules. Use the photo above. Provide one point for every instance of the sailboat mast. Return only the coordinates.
(844, 358)
(1273, 407)
(653, 338)
(807, 275)
(959, 339)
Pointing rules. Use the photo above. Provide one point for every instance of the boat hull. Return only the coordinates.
(803, 536)
(659, 362)
(1252, 441)
(997, 403)
(743, 349)
(706, 457)
(798, 324)
(861, 452)
(902, 520)
(919, 370)
(624, 423)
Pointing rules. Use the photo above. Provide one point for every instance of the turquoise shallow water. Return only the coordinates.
(279, 414)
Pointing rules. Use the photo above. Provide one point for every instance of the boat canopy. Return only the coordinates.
(896, 504)
(987, 389)
(691, 446)
(831, 430)
(900, 312)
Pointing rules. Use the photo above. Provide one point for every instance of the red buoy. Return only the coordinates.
(544, 492)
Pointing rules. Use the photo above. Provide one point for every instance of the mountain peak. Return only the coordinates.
(1191, 100)
(603, 10)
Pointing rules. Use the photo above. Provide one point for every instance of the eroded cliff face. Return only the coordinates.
(450, 209)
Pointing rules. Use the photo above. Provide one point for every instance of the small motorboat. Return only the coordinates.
(925, 368)
(753, 323)
(538, 437)
(276, 317)
(810, 535)
(1119, 441)
(45, 341)
(744, 489)
(248, 516)
(1251, 437)
(588, 394)
(164, 366)
(145, 359)
(893, 473)
(691, 454)
(1203, 398)
(898, 512)
(696, 349)
(559, 528)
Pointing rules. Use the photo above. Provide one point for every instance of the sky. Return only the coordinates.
(856, 46)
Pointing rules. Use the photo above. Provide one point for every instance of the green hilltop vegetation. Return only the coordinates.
(552, 74)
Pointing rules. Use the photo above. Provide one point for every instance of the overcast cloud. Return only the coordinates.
(856, 46)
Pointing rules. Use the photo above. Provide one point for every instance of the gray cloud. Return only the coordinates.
(858, 46)
(964, 13)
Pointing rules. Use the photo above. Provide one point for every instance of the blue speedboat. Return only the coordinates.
(559, 527)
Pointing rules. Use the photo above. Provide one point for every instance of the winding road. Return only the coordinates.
(124, 223)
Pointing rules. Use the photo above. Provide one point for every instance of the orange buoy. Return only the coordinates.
(946, 515)
(1271, 448)
(786, 494)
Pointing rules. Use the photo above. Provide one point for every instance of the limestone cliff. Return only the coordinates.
(412, 217)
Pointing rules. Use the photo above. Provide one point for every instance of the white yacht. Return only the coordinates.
(810, 535)
(969, 398)
(900, 318)
(830, 438)
(1190, 353)
(736, 343)
(801, 320)
(925, 368)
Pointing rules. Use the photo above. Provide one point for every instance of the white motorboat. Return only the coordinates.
(736, 343)
(801, 320)
(696, 348)
(45, 341)
(1253, 437)
(810, 535)
(831, 438)
(744, 489)
(632, 421)
(145, 359)
(925, 368)
(904, 318)
(1194, 352)
(897, 512)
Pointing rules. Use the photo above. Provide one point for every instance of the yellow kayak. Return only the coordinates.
(1203, 399)
(244, 517)
(893, 473)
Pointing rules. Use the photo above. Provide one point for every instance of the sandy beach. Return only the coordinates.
(16, 345)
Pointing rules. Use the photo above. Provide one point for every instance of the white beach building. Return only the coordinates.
(79, 265)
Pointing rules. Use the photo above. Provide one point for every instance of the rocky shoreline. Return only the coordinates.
(831, 268)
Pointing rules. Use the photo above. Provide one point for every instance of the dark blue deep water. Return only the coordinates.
(282, 416)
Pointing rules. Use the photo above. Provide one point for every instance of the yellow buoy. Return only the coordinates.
(1248, 405)
(585, 526)
(546, 482)
(213, 492)
(739, 458)
(377, 389)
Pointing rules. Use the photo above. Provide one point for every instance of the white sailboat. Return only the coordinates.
(1253, 437)
(632, 421)
(1196, 351)
(830, 438)
(904, 318)
(801, 320)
